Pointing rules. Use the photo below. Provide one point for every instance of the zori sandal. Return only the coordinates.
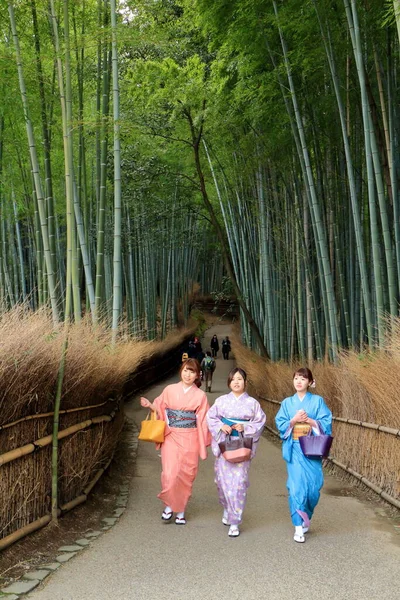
(299, 534)
(167, 515)
(180, 521)
(233, 531)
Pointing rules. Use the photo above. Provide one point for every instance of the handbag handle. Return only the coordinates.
(229, 435)
(152, 415)
(318, 427)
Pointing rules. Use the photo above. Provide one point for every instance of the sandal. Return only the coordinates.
(180, 521)
(167, 515)
(225, 518)
(233, 531)
(299, 538)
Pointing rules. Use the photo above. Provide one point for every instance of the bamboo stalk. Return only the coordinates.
(117, 256)
(56, 421)
(35, 169)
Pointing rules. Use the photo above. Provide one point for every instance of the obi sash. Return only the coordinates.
(183, 419)
(299, 430)
(233, 421)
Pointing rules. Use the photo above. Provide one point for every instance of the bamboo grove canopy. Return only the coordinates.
(177, 142)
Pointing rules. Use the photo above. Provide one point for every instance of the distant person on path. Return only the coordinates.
(208, 368)
(198, 346)
(214, 346)
(183, 406)
(226, 347)
(200, 356)
(233, 413)
(192, 348)
(296, 416)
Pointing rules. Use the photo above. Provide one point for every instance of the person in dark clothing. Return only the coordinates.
(226, 347)
(214, 346)
(199, 359)
(192, 349)
(198, 346)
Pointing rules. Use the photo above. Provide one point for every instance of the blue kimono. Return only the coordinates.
(305, 476)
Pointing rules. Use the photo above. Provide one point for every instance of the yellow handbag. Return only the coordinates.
(152, 430)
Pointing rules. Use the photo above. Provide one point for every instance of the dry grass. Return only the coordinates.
(30, 353)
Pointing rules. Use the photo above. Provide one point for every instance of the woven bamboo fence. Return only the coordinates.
(88, 436)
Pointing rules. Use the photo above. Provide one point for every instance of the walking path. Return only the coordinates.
(351, 552)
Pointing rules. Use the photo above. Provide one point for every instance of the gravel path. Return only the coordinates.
(352, 551)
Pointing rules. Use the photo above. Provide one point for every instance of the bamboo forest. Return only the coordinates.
(248, 148)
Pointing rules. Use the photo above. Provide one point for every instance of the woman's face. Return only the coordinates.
(237, 384)
(188, 377)
(300, 383)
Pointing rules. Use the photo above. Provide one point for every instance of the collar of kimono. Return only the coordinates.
(245, 394)
(186, 389)
(307, 394)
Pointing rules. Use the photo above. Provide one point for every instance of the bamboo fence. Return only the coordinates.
(88, 436)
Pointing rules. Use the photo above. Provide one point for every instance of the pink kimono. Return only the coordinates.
(186, 439)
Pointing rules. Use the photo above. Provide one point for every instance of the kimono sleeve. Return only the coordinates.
(214, 420)
(324, 416)
(202, 429)
(255, 426)
(159, 404)
(282, 420)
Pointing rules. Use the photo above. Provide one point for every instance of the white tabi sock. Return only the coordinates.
(298, 530)
(180, 515)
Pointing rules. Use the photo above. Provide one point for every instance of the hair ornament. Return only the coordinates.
(313, 384)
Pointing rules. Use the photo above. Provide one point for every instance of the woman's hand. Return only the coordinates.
(311, 422)
(146, 404)
(226, 429)
(238, 427)
(300, 417)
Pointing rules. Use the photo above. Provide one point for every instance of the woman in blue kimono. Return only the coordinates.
(295, 417)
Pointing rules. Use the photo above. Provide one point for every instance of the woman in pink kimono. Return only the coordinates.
(183, 406)
(233, 413)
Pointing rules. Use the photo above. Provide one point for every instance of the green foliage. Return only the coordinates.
(218, 66)
(200, 319)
